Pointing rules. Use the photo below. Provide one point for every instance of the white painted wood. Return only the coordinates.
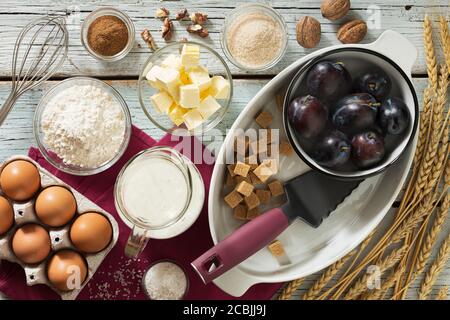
(384, 14)
(16, 134)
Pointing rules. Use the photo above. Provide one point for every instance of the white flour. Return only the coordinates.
(84, 126)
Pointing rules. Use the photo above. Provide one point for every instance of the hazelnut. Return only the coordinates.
(334, 9)
(308, 32)
(352, 31)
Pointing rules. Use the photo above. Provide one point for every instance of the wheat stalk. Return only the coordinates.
(442, 294)
(435, 269)
(445, 40)
(423, 134)
(287, 292)
(360, 285)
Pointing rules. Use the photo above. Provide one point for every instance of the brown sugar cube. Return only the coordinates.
(272, 164)
(240, 212)
(241, 145)
(252, 213)
(230, 168)
(264, 119)
(229, 182)
(252, 201)
(257, 147)
(238, 179)
(286, 148)
(254, 179)
(233, 199)
(263, 196)
(276, 188)
(280, 101)
(263, 173)
(245, 188)
(276, 248)
(252, 161)
(241, 169)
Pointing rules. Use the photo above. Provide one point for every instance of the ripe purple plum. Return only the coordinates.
(367, 149)
(308, 116)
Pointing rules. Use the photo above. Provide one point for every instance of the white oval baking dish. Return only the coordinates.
(311, 250)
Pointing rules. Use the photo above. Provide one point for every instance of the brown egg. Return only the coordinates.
(67, 270)
(31, 243)
(91, 232)
(55, 206)
(6, 215)
(20, 180)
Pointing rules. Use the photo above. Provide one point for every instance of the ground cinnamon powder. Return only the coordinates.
(107, 35)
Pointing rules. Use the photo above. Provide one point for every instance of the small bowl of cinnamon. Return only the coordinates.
(108, 34)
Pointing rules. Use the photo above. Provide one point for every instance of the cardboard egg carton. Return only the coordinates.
(24, 213)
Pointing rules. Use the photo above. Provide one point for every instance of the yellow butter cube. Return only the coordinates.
(184, 77)
(220, 87)
(151, 76)
(200, 77)
(169, 80)
(189, 96)
(161, 101)
(190, 55)
(172, 61)
(176, 114)
(193, 119)
(205, 93)
(208, 107)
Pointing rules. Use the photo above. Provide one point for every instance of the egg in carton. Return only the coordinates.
(62, 248)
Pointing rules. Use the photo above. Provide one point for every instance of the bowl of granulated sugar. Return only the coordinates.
(254, 37)
(165, 280)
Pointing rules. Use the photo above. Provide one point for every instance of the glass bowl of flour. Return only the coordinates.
(82, 126)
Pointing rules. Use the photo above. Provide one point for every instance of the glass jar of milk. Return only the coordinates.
(159, 194)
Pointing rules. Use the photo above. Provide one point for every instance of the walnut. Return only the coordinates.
(308, 32)
(162, 13)
(166, 29)
(199, 18)
(198, 30)
(181, 14)
(147, 37)
(334, 9)
(352, 32)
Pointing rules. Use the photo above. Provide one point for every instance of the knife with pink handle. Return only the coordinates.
(310, 197)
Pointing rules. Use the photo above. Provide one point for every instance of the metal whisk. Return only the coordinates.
(39, 52)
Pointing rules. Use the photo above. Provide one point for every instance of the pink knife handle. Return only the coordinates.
(241, 244)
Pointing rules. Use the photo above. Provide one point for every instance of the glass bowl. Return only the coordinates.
(248, 9)
(210, 59)
(108, 11)
(53, 157)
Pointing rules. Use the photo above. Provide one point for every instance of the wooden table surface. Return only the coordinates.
(16, 134)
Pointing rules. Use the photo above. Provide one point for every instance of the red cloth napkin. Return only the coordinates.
(119, 277)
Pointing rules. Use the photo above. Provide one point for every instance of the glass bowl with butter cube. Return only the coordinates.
(185, 88)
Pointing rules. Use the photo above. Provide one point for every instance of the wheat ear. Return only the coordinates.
(360, 285)
(287, 292)
(435, 269)
(326, 276)
(379, 294)
(429, 52)
(445, 40)
(442, 294)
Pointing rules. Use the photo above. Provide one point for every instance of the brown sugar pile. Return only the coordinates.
(107, 35)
